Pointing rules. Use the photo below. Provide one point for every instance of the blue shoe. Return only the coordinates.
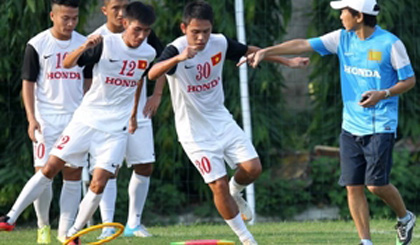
(138, 231)
(106, 232)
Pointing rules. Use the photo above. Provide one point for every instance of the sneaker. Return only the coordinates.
(106, 232)
(250, 241)
(44, 235)
(75, 241)
(244, 209)
(4, 226)
(61, 239)
(405, 231)
(138, 231)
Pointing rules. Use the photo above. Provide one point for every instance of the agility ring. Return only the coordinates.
(119, 230)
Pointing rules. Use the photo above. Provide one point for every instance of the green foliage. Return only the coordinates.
(279, 197)
(19, 21)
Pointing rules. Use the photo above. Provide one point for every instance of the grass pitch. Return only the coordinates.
(328, 232)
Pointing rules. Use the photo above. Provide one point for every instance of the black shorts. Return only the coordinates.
(365, 160)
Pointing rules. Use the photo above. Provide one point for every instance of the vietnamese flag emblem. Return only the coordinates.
(142, 64)
(215, 59)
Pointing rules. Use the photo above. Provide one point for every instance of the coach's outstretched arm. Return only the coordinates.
(292, 47)
(72, 58)
(295, 62)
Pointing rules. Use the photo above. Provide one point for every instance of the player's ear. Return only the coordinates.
(360, 17)
(125, 23)
(103, 9)
(52, 16)
(183, 27)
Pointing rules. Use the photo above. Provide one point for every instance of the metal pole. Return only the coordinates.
(243, 79)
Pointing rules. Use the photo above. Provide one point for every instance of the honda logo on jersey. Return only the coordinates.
(215, 59)
(142, 64)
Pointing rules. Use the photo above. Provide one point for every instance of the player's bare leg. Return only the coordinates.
(228, 209)
(391, 196)
(359, 210)
(246, 173)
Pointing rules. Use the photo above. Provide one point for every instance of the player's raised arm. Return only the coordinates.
(164, 66)
(292, 47)
(72, 58)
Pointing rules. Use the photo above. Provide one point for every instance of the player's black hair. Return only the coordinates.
(368, 19)
(141, 12)
(197, 10)
(68, 3)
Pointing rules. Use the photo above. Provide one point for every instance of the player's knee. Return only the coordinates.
(72, 174)
(256, 171)
(219, 187)
(143, 169)
(97, 186)
(53, 166)
(376, 190)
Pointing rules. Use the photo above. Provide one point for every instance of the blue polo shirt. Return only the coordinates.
(376, 63)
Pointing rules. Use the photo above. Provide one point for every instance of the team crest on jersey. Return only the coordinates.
(215, 59)
(374, 55)
(142, 64)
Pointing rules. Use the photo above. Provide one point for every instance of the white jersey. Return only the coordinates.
(57, 90)
(197, 90)
(141, 119)
(102, 30)
(107, 105)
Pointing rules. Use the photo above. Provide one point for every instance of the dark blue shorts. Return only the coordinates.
(366, 160)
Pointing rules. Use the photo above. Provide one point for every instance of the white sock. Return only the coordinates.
(42, 207)
(87, 207)
(238, 226)
(137, 191)
(366, 242)
(69, 203)
(107, 204)
(31, 191)
(405, 219)
(234, 187)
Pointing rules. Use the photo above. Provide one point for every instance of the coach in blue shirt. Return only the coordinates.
(374, 69)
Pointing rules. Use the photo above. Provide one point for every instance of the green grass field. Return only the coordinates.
(337, 232)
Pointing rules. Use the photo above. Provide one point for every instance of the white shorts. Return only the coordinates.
(106, 149)
(51, 127)
(208, 157)
(140, 146)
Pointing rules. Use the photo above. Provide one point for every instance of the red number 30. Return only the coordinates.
(204, 165)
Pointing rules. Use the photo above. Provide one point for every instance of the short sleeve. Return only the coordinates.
(400, 61)
(91, 56)
(87, 72)
(326, 44)
(169, 52)
(235, 50)
(155, 42)
(31, 67)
